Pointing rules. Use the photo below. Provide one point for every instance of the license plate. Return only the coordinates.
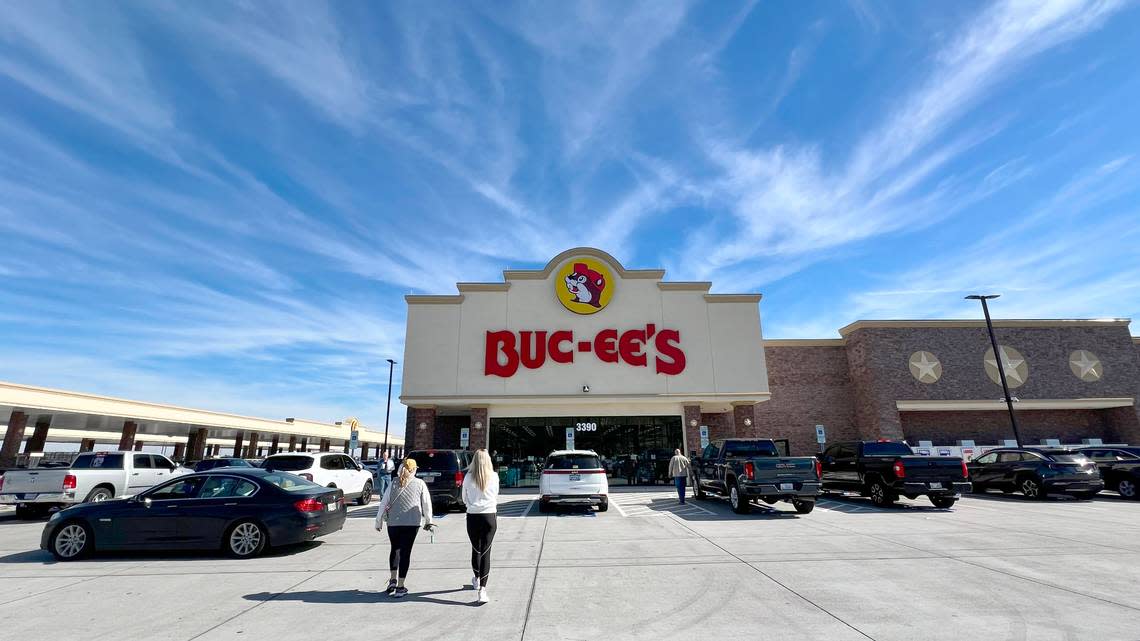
(575, 477)
(936, 486)
(787, 486)
(334, 506)
(28, 497)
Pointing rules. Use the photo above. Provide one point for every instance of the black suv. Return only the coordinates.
(1119, 467)
(1036, 472)
(442, 471)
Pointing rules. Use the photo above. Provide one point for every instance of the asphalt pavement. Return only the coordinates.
(993, 567)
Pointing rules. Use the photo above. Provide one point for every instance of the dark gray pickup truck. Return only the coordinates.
(745, 469)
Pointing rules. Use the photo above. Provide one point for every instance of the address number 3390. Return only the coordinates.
(586, 427)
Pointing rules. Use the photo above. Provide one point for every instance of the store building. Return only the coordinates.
(585, 353)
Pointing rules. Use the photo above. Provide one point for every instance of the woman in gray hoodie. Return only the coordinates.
(406, 507)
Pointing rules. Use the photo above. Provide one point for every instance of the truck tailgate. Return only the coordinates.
(932, 467)
(784, 468)
(34, 481)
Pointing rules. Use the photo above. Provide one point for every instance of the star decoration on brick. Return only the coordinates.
(925, 367)
(1086, 366)
(1016, 369)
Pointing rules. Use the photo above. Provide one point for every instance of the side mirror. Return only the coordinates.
(146, 502)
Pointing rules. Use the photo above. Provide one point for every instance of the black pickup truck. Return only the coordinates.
(885, 470)
(744, 469)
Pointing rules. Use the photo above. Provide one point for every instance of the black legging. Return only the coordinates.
(481, 531)
(402, 538)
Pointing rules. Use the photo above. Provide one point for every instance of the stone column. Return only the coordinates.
(293, 443)
(217, 449)
(86, 445)
(480, 427)
(325, 444)
(304, 444)
(692, 418)
(251, 448)
(273, 444)
(39, 436)
(138, 446)
(12, 439)
(423, 428)
(179, 452)
(347, 449)
(238, 445)
(198, 444)
(127, 441)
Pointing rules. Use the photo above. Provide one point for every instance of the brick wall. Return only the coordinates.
(991, 428)
(810, 386)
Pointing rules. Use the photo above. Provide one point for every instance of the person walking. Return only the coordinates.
(406, 507)
(384, 473)
(481, 496)
(679, 470)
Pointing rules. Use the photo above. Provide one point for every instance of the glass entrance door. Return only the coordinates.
(635, 450)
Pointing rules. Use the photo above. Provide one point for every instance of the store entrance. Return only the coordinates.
(635, 450)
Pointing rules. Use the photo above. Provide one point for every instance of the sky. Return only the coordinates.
(222, 204)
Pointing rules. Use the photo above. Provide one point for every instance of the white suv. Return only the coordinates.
(327, 469)
(573, 477)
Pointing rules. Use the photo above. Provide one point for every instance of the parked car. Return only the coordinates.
(92, 477)
(573, 478)
(328, 469)
(1119, 467)
(442, 471)
(885, 470)
(239, 510)
(1036, 472)
(211, 463)
(372, 465)
(747, 469)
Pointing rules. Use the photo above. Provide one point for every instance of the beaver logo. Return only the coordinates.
(584, 285)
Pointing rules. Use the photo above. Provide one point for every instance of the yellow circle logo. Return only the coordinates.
(584, 285)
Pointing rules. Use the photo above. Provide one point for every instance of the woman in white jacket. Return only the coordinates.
(406, 506)
(481, 495)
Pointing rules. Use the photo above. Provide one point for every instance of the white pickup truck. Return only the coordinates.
(93, 476)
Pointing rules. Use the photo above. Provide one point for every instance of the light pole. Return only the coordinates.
(998, 359)
(388, 412)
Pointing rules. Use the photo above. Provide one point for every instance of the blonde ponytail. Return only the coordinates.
(407, 471)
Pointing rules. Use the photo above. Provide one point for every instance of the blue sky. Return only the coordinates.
(221, 205)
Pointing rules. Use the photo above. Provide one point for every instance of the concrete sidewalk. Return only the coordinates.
(993, 567)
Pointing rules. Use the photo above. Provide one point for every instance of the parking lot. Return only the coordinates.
(994, 567)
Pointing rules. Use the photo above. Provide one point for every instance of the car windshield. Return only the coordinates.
(750, 448)
(434, 461)
(1068, 457)
(98, 462)
(886, 449)
(288, 463)
(573, 461)
(289, 482)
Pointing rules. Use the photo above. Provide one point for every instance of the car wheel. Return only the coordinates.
(1127, 488)
(365, 494)
(698, 493)
(98, 495)
(246, 539)
(72, 540)
(738, 500)
(803, 507)
(880, 495)
(1031, 489)
(943, 502)
(604, 505)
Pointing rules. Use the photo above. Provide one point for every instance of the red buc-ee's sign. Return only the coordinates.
(531, 348)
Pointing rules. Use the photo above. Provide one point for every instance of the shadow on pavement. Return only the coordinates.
(863, 505)
(357, 596)
(44, 557)
(1001, 497)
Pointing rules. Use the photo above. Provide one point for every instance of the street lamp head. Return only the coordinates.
(982, 296)
(392, 362)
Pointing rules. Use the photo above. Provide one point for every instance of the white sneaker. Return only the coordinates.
(483, 595)
(474, 582)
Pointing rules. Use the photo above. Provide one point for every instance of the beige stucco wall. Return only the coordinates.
(720, 336)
